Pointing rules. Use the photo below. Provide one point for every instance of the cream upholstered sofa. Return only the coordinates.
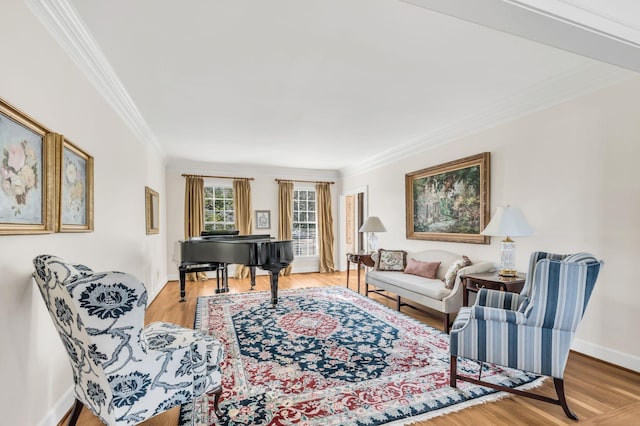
(429, 292)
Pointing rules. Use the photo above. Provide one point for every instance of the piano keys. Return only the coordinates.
(261, 251)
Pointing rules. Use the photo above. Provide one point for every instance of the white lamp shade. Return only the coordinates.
(508, 222)
(372, 224)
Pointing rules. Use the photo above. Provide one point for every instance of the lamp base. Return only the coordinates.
(373, 242)
(508, 273)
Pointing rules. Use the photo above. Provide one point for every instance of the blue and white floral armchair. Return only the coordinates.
(530, 331)
(123, 372)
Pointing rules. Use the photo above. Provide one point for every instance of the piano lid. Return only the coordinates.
(219, 232)
(230, 238)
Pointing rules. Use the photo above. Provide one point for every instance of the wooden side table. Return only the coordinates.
(492, 281)
(359, 259)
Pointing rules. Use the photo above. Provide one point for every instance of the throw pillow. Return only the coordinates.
(452, 272)
(422, 269)
(391, 260)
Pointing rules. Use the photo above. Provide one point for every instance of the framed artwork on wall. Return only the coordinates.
(27, 162)
(152, 210)
(74, 183)
(349, 215)
(449, 202)
(263, 219)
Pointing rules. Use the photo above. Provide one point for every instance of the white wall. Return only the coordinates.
(264, 196)
(572, 170)
(37, 77)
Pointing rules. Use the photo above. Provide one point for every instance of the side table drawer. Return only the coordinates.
(474, 285)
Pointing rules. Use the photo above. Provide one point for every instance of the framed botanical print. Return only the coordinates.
(74, 182)
(152, 210)
(27, 190)
(263, 219)
(449, 202)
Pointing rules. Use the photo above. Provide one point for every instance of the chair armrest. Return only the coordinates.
(483, 313)
(456, 291)
(499, 299)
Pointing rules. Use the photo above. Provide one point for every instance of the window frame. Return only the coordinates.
(218, 225)
(296, 241)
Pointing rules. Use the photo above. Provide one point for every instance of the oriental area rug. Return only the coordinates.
(329, 356)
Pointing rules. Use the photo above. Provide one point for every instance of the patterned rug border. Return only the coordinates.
(490, 397)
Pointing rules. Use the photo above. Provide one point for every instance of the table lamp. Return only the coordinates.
(372, 225)
(508, 222)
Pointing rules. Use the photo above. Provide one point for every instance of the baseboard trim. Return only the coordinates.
(612, 356)
(59, 410)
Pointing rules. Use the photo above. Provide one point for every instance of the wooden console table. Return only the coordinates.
(359, 259)
(492, 281)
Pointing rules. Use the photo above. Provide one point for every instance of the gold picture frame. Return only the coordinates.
(450, 201)
(152, 210)
(74, 186)
(27, 162)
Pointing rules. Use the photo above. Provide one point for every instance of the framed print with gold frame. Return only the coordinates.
(450, 201)
(74, 183)
(152, 210)
(27, 162)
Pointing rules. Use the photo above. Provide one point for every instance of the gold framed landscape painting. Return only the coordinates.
(27, 191)
(450, 201)
(74, 168)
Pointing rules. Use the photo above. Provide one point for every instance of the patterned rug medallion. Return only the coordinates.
(329, 356)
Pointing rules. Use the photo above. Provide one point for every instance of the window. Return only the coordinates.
(305, 235)
(218, 208)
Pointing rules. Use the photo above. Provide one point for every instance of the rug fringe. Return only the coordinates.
(463, 405)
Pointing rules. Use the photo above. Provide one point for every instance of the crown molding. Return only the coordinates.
(61, 19)
(579, 81)
(599, 19)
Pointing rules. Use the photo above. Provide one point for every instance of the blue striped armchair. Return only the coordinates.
(530, 331)
(123, 371)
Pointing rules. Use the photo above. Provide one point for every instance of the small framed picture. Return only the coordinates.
(263, 219)
(74, 180)
(152, 210)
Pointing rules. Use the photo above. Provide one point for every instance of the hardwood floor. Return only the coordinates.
(599, 393)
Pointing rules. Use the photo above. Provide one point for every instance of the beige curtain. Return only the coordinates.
(325, 228)
(285, 215)
(242, 207)
(194, 215)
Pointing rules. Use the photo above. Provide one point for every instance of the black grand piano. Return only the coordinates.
(216, 250)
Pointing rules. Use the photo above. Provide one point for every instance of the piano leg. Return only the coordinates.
(225, 278)
(252, 273)
(274, 287)
(218, 289)
(183, 276)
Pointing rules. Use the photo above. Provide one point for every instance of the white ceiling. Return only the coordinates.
(334, 84)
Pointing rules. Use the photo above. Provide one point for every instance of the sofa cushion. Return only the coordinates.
(452, 272)
(422, 269)
(413, 283)
(391, 260)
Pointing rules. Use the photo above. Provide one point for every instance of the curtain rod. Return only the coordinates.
(215, 177)
(307, 181)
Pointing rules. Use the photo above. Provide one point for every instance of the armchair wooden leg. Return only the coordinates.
(453, 371)
(216, 400)
(75, 413)
(445, 323)
(559, 385)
